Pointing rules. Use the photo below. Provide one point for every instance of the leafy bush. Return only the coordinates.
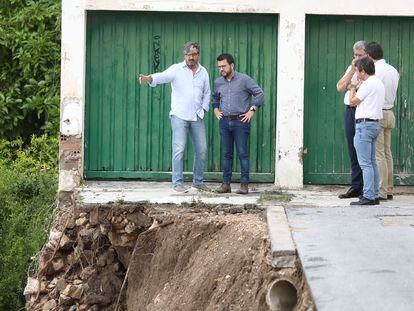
(28, 192)
(29, 67)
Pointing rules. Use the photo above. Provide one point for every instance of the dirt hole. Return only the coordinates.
(188, 257)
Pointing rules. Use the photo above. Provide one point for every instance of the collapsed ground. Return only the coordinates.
(138, 256)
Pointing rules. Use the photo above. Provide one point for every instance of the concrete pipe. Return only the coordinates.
(282, 295)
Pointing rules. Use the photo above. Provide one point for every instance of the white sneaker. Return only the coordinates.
(202, 187)
(180, 188)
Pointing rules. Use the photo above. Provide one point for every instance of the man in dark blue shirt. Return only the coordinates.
(235, 100)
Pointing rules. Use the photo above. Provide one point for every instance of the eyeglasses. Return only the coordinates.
(191, 54)
(359, 55)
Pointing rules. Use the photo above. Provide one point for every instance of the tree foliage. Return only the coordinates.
(29, 67)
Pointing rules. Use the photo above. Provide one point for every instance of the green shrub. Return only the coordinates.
(28, 192)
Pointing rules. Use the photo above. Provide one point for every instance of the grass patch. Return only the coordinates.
(275, 195)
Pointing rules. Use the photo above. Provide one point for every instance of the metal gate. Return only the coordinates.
(127, 127)
(329, 41)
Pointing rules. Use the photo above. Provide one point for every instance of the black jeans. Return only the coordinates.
(356, 172)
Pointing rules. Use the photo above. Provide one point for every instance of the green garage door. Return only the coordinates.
(127, 127)
(329, 41)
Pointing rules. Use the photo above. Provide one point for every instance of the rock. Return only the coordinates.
(87, 273)
(101, 262)
(32, 287)
(58, 264)
(55, 235)
(115, 267)
(118, 223)
(65, 242)
(130, 227)
(105, 228)
(85, 237)
(51, 286)
(73, 308)
(49, 305)
(61, 285)
(110, 284)
(73, 291)
(128, 239)
(65, 300)
(140, 219)
(81, 221)
(95, 299)
(77, 282)
(68, 220)
(94, 216)
(110, 256)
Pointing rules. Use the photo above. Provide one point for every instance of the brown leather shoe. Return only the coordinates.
(244, 188)
(224, 188)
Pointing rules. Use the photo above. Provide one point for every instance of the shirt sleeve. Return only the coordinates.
(255, 90)
(166, 76)
(206, 93)
(363, 91)
(216, 97)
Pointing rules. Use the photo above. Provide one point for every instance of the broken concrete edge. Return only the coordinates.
(283, 250)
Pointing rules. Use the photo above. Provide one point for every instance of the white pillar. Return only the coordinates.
(72, 93)
(290, 86)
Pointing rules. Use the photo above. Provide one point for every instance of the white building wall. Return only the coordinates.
(291, 46)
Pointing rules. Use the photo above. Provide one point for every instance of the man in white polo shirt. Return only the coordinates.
(369, 101)
(190, 100)
(389, 77)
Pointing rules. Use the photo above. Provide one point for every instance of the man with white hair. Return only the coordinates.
(350, 78)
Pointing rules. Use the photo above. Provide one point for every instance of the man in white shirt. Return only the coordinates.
(389, 77)
(350, 77)
(190, 99)
(369, 101)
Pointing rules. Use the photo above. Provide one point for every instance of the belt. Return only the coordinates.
(365, 120)
(386, 108)
(231, 117)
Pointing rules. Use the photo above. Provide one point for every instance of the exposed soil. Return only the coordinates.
(201, 261)
(188, 257)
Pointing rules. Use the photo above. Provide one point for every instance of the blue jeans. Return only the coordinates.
(180, 131)
(234, 131)
(356, 172)
(366, 134)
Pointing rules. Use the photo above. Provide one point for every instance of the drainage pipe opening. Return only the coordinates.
(282, 295)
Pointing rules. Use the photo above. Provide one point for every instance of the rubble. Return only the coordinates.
(79, 265)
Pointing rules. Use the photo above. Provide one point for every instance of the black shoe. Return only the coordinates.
(364, 201)
(390, 197)
(351, 193)
(377, 201)
(383, 199)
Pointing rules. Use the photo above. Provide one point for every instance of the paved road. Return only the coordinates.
(357, 258)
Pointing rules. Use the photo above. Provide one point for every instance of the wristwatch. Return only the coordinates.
(252, 108)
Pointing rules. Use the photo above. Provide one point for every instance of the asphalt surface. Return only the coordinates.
(357, 258)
